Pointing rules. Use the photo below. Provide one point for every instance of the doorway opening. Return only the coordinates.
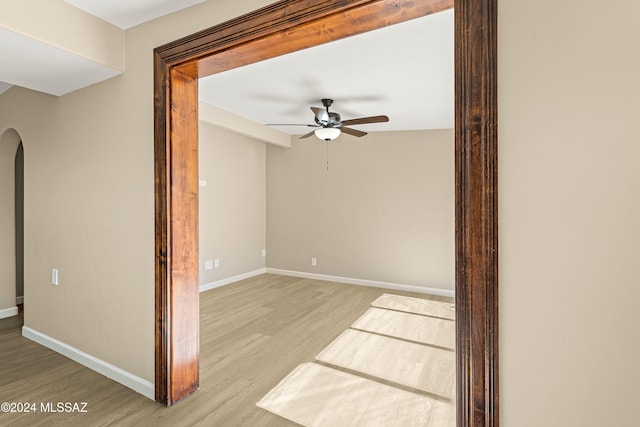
(348, 215)
(292, 25)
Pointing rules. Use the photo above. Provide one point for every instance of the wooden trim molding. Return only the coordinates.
(476, 220)
(284, 27)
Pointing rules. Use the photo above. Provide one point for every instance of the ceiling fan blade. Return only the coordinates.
(307, 135)
(365, 120)
(353, 132)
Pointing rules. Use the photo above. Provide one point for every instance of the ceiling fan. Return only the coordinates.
(329, 124)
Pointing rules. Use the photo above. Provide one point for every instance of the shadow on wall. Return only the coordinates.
(11, 222)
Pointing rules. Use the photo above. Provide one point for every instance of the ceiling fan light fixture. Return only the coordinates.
(327, 134)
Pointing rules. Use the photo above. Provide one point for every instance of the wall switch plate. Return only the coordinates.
(208, 264)
(264, 253)
(314, 261)
(216, 263)
(54, 276)
(203, 183)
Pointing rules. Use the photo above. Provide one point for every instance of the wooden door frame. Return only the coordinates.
(285, 27)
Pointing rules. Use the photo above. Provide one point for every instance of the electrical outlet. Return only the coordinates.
(264, 253)
(314, 261)
(216, 263)
(208, 264)
(54, 276)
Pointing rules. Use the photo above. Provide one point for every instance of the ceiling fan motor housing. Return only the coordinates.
(325, 118)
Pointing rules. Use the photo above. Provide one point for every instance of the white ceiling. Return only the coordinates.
(39, 66)
(404, 71)
(128, 13)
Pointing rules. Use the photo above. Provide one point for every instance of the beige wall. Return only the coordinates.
(384, 210)
(232, 205)
(569, 212)
(9, 142)
(89, 199)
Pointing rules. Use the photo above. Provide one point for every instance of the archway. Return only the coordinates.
(10, 142)
(19, 221)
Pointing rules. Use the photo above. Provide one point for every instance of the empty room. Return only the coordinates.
(372, 209)
(288, 213)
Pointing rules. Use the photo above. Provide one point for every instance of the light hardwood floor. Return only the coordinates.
(315, 395)
(414, 365)
(252, 334)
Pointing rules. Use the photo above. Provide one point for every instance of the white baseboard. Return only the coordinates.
(217, 284)
(8, 312)
(362, 282)
(125, 378)
(19, 300)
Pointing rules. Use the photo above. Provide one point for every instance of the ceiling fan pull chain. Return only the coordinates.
(327, 155)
